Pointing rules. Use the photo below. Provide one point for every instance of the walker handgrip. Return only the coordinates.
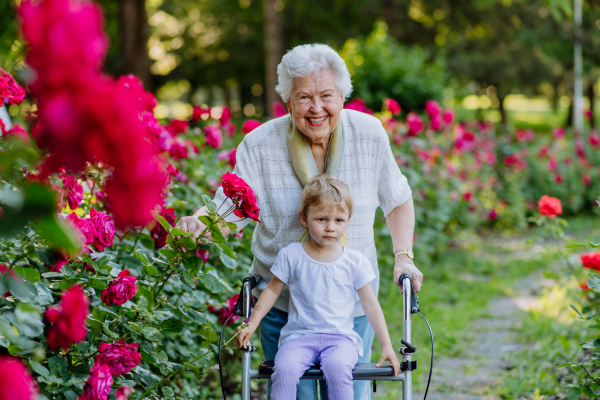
(247, 285)
(414, 300)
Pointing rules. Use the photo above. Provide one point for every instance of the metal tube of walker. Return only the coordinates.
(406, 334)
(246, 354)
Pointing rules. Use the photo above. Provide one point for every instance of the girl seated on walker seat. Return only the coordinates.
(323, 278)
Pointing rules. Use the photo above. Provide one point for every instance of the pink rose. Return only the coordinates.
(433, 108)
(133, 83)
(67, 319)
(85, 226)
(123, 393)
(594, 139)
(214, 136)
(105, 229)
(73, 191)
(203, 254)
(250, 125)
(248, 207)
(178, 150)
(119, 356)
(436, 123)
(120, 289)
(98, 384)
(229, 129)
(229, 310)
(278, 109)
(229, 156)
(358, 104)
(448, 116)
(177, 126)
(225, 116)
(199, 112)
(15, 381)
(414, 122)
(558, 132)
(17, 131)
(392, 106)
(233, 186)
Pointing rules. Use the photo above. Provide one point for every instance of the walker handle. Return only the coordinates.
(244, 302)
(414, 300)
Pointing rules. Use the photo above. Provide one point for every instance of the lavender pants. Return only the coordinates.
(337, 355)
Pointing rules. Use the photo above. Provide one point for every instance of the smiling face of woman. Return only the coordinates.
(315, 104)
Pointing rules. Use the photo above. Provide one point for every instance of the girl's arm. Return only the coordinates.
(263, 306)
(377, 320)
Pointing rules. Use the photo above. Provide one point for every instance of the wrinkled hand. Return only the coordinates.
(406, 266)
(192, 225)
(388, 354)
(244, 336)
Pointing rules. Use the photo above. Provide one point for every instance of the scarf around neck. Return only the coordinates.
(303, 160)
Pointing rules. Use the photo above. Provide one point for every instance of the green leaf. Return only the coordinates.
(172, 243)
(141, 256)
(180, 232)
(171, 327)
(147, 377)
(96, 284)
(211, 283)
(574, 246)
(217, 236)
(163, 222)
(70, 395)
(170, 254)
(44, 296)
(209, 203)
(149, 270)
(209, 333)
(227, 250)
(573, 393)
(151, 334)
(228, 261)
(594, 244)
(147, 242)
(160, 356)
(22, 290)
(588, 391)
(102, 262)
(147, 294)
(196, 316)
(143, 303)
(39, 368)
(188, 243)
(167, 391)
(576, 310)
(187, 278)
(59, 234)
(596, 343)
(29, 274)
(193, 265)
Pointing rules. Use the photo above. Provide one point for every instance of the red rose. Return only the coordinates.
(133, 83)
(73, 191)
(229, 310)
(549, 206)
(248, 208)
(68, 319)
(233, 186)
(214, 136)
(432, 108)
(594, 139)
(61, 261)
(199, 112)
(587, 181)
(158, 233)
(120, 356)
(10, 91)
(12, 274)
(584, 286)
(558, 132)
(468, 196)
(15, 381)
(414, 122)
(178, 150)
(591, 260)
(17, 131)
(278, 109)
(120, 289)
(250, 125)
(436, 123)
(177, 126)
(98, 384)
(123, 393)
(225, 116)
(392, 106)
(105, 229)
(85, 226)
(493, 215)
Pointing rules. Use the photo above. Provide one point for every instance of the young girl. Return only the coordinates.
(323, 278)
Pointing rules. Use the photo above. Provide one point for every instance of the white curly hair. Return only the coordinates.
(303, 60)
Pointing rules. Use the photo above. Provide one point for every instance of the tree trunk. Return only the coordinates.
(134, 31)
(502, 110)
(391, 9)
(591, 95)
(273, 53)
(569, 122)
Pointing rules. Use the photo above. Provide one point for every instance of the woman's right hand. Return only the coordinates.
(191, 225)
(243, 337)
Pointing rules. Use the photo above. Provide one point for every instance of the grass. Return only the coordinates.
(456, 291)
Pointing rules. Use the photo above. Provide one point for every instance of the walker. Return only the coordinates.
(362, 371)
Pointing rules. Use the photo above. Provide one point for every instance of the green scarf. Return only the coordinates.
(304, 163)
(302, 158)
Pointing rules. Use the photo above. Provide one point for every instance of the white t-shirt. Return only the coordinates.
(322, 295)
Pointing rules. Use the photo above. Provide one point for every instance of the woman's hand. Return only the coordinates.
(191, 225)
(388, 354)
(243, 336)
(404, 265)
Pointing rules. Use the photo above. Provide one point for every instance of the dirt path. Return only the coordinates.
(473, 375)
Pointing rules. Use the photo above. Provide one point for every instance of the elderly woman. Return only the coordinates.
(318, 135)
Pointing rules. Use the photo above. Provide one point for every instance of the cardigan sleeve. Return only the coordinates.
(393, 189)
(242, 169)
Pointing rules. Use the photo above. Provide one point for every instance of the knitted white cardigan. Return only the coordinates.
(368, 168)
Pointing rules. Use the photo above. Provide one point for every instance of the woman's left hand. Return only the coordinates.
(406, 266)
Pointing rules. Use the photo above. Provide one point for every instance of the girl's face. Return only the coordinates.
(326, 225)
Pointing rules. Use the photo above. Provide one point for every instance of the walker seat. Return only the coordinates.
(361, 370)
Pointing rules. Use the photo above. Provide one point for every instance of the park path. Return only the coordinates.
(474, 374)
